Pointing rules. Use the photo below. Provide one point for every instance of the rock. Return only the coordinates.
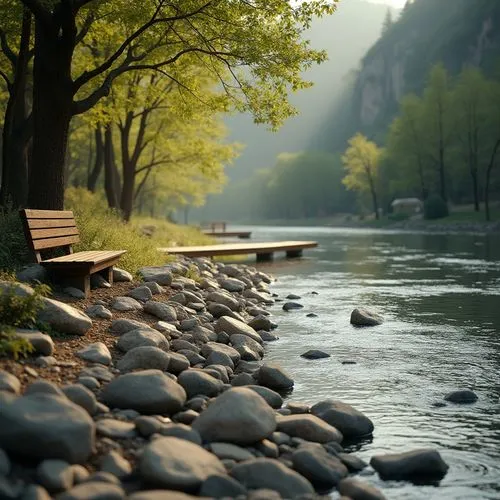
(124, 304)
(55, 475)
(222, 487)
(308, 427)
(121, 275)
(352, 462)
(155, 288)
(267, 336)
(315, 354)
(218, 310)
(193, 357)
(141, 293)
(188, 324)
(272, 474)
(262, 323)
(115, 464)
(81, 396)
(74, 292)
(95, 353)
(311, 315)
(4, 463)
(463, 396)
(273, 399)
(98, 372)
(94, 490)
(98, 311)
(292, 306)
(297, 408)
(148, 391)
(98, 281)
(161, 495)
(174, 463)
(115, 429)
(181, 344)
(33, 274)
(124, 325)
(223, 298)
(238, 416)
(160, 275)
(64, 318)
(46, 361)
(219, 358)
(232, 285)
(363, 317)
(268, 448)
(31, 371)
(161, 310)
(196, 382)
(35, 492)
(89, 382)
(103, 477)
(178, 363)
(273, 376)
(232, 327)
(231, 451)
(142, 337)
(9, 382)
(315, 464)
(44, 387)
(210, 347)
(238, 341)
(166, 328)
(181, 431)
(349, 421)
(45, 426)
(418, 465)
(144, 358)
(359, 490)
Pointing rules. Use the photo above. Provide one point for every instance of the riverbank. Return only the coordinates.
(160, 384)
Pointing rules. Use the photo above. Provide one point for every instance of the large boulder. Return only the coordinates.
(363, 317)
(349, 421)
(238, 416)
(196, 382)
(42, 343)
(148, 391)
(308, 427)
(144, 358)
(417, 465)
(42, 425)
(178, 464)
(271, 474)
(273, 376)
(64, 318)
(233, 326)
(142, 337)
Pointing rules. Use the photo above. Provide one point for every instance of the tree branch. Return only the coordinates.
(4, 45)
(39, 11)
(7, 81)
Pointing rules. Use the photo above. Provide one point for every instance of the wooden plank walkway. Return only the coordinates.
(229, 234)
(264, 251)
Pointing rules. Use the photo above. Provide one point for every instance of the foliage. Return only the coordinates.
(21, 311)
(12, 345)
(435, 207)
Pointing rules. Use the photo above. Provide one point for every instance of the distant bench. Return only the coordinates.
(49, 229)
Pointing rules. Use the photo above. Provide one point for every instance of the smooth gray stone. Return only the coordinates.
(141, 337)
(35, 492)
(158, 274)
(148, 391)
(94, 490)
(148, 425)
(356, 489)
(124, 304)
(238, 416)
(141, 293)
(9, 382)
(419, 465)
(161, 495)
(243, 379)
(272, 474)
(193, 357)
(273, 399)
(219, 358)
(33, 273)
(363, 317)
(115, 429)
(222, 487)
(144, 358)
(155, 288)
(180, 344)
(161, 310)
(115, 464)
(178, 363)
(74, 292)
(181, 431)
(55, 475)
(44, 387)
(268, 448)
(238, 340)
(292, 306)
(349, 421)
(81, 396)
(98, 311)
(231, 451)
(352, 462)
(196, 382)
(42, 344)
(4, 463)
(100, 373)
(120, 275)
(215, 347)
(124, 325)
(232, 327)
(273, 376)
(174, 463)
(308, 427)
(89, 382)
(315, 354)
(262, 323)
(315, 464)
(45, 426)
(64, 318)
(222, 297)
(95, 353)
(462, 396)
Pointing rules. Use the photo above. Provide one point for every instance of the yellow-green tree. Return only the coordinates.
(361, 162)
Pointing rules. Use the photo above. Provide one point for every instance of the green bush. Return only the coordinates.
(12, 345)
(435, 208)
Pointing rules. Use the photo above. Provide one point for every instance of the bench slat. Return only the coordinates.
(89, 257)
(50, 223)
(55, 242)
(40, 234)
(48, 214)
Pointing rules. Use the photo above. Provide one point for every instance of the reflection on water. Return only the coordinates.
(440, 297)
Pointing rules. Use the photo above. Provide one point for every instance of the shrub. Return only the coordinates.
(435, 208)
(12, 345)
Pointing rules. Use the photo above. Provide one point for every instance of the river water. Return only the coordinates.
(439, 295)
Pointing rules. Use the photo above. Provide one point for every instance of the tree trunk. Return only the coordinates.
(52, 108)
(487, 183)
(99, 160)
(127, 197)
(475, 189)
(16, 132)
(111, 180)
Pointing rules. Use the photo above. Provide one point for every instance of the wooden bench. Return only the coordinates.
(49, 229)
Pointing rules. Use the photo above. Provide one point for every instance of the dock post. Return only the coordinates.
(264, 257)
(293, 254)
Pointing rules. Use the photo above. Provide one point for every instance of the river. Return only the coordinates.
(439, 295)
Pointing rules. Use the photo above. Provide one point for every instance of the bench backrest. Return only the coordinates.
(46, 229)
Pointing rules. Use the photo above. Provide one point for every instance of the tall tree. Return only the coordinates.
(361, 162)
(388, 21)
(264, 37)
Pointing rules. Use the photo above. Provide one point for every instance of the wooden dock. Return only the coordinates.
(263, 251)
(229, 234)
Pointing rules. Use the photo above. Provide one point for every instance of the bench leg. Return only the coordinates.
(81, 282)
(107, 274)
